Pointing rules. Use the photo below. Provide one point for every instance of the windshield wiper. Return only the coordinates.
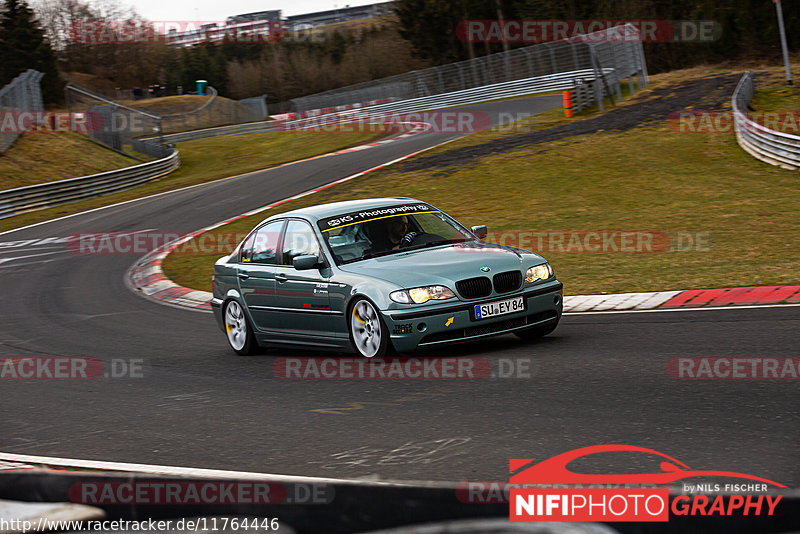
(438, 243)
(370, 255)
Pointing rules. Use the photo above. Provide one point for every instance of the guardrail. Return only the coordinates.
(528, 86)
(39, 196)
(219, 131)
(769, 146)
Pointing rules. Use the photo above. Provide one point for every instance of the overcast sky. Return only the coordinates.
(180, 10)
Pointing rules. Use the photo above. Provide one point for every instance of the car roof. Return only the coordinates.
(322, 211)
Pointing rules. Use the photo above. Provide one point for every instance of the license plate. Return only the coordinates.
(501, 307)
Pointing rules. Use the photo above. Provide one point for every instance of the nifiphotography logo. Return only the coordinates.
(611, 497)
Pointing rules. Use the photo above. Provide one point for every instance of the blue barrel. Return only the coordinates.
(201, 86)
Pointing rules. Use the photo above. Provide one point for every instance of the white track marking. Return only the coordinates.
(12, 250)
(17, 265)
(5, 260)
(166, 470)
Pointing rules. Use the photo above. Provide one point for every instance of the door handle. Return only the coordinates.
(243, 276)
(281, 277)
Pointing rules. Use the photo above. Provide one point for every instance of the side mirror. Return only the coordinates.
(480, 231)
(306, 262)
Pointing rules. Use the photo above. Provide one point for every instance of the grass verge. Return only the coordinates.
(40, 157)
(206, 160)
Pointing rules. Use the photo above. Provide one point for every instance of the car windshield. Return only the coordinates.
(383, 231)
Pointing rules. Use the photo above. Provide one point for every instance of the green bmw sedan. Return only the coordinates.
(378, 275)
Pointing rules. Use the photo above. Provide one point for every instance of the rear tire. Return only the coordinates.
(536, 332)
(237, 329)
(368, 334)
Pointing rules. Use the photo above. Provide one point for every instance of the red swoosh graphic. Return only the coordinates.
(554, 470)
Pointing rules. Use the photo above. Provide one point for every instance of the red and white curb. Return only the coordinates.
(687, 299)
(328, 111)
(418, 127)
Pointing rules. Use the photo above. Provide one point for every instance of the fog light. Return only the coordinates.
(422, 327)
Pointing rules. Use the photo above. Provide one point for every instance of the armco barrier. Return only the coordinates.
(219, 131)
(39, 196)
(770, 146)
(528, 86)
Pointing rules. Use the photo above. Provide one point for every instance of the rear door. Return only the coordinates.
(257, 263)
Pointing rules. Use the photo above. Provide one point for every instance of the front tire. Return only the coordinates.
(368, 335)
(237, 328)
(535, 332)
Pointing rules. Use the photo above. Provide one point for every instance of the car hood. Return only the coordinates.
(443, 265)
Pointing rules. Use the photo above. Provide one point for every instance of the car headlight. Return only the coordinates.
(539, 272)
(418, 295)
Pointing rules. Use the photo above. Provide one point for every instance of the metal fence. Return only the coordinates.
(216, 112)
(619, 49)
(113, 124)
(770, 146)
(219, 131)
(23, 93)
(117, 124)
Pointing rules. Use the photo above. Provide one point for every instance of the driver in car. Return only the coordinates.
(392, 234)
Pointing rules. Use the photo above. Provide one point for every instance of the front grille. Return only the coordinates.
(481, 329)
(474, 288)
(508, 281)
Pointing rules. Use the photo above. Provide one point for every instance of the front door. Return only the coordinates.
(303, 294)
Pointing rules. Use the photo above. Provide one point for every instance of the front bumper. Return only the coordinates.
(447, 323)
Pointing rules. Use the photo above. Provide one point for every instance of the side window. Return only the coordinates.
(262, 245)
(299, 240)
(246, 253)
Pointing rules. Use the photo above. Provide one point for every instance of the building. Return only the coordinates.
(258, 15)
(269, 26)
(332, 16)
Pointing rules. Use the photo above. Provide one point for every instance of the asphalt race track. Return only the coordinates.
(597, 379)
